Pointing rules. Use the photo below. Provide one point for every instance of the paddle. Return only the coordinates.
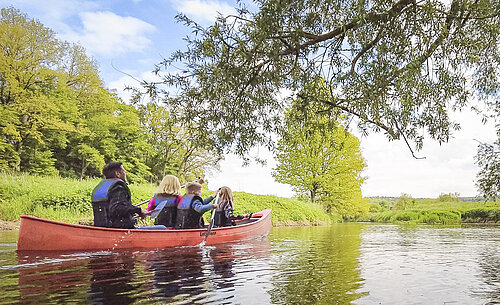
(212, 217)
(141, 203)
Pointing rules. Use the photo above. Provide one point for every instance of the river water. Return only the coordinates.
(352, 263)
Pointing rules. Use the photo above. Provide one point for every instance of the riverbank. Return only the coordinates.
(68, 200)
(436, 211)
(9, 225)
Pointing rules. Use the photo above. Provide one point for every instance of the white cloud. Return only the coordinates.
(103, 33)
(203, 11)
(52, 13)
(107, 34)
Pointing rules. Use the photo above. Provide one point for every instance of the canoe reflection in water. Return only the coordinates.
(201, 274)
(112, 278)
(51, 278)
(179, 275)
(176, 274)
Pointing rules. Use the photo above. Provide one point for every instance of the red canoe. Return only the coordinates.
(41, 234)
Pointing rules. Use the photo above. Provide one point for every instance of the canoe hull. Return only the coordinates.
(47, 235)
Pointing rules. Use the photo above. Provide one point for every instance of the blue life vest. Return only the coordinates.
(100, 201)
(165, 209)
(187, 217)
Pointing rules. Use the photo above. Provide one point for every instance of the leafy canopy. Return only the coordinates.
(318, 157)
(398, 66)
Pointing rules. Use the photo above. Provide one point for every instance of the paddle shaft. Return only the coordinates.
(141, 203)
(211, 219)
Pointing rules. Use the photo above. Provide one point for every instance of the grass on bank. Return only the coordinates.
(68, 200)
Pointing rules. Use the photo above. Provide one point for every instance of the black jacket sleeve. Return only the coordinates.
(120, 204)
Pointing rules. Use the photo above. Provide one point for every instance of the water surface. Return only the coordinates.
(349, 263)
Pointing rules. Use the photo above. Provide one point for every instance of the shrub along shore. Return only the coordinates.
(443, 210)
(68, 200)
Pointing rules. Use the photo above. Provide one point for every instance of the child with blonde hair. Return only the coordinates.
(191, 207)
(224, 213)
(164, 203)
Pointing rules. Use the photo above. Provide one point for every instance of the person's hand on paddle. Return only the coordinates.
(144, 213)
(147, 213)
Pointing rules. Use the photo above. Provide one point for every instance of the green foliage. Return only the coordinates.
(68, 200)
(53, 197)
(284, 210)
(400, 67)
(318, 157)
(174, 147)
(56, 116)
(436, 211)
(482, 215)
(404, 202)
(488, 160)
(415, 216)
(383, 204)
(449, 197)
(376, 208)
(25, 194)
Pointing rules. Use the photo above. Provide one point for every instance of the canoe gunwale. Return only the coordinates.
(137, 230)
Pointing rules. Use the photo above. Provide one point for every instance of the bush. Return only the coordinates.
(481, 215)
(449, 197)
(404, 202)
(377, 207)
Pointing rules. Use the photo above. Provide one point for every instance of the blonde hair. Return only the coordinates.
(169, 185)
(193, 187)
(225, 197)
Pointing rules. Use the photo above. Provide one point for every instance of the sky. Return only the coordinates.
(128, 37)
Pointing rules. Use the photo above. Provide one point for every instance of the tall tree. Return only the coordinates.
(175, 146)
(400, 66)
(317, 156)
(31, 118)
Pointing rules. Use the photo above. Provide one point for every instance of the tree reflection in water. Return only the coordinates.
(316, 265)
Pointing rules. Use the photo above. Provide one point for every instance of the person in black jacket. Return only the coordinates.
(112, 201)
